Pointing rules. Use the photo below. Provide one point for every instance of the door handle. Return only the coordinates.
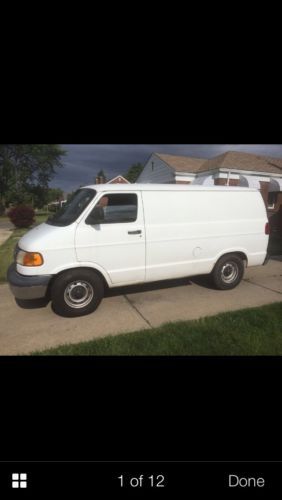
(135, 232)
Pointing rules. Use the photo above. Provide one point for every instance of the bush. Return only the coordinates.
(2, 209)
(22, 216)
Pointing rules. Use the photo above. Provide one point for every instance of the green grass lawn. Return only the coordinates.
(256, 331)
(41, 218)
(7, 249)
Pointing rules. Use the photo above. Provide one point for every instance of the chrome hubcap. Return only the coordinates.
(78, 294)
(229, 272)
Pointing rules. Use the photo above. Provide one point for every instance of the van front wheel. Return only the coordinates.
(228, 272)
(76, 293)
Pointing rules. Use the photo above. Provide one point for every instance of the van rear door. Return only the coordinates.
(112, 236)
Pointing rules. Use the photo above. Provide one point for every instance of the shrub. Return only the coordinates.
(21, 216)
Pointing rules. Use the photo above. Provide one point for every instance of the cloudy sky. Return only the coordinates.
(83, 161)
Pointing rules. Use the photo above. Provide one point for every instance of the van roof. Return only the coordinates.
(165, 187)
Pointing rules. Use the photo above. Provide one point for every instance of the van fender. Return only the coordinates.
(90, 265)
(240, 251)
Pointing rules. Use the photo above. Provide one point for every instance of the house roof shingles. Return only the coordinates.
(243, 161)
(182, 163)
(232, 160)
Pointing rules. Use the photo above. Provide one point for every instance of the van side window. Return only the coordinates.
(114, 208)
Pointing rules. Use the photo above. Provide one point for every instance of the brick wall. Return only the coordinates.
(100, 180)
(278, 204)
(275, 216)
(264, 186)
(223, 182)
(118, 180)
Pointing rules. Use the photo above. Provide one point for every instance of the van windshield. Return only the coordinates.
(73, 208)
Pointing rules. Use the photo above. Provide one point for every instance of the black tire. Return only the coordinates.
(76, 293)
(228, 272)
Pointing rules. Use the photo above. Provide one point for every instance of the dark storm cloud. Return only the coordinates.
(83, 161)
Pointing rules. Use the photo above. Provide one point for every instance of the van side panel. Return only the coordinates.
(187, 231)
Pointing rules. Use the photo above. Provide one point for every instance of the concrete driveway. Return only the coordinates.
(23, 330)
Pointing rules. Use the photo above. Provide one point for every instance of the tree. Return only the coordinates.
(133, 172)
(55, 194)
(41, 196)
(26, 169)
(70, 195)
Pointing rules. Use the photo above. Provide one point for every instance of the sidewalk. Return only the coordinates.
(133, 308)
(6, 228)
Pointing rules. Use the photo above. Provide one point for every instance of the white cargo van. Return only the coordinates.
(113, 235)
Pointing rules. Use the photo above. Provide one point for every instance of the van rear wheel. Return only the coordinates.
(76, 293)
(228, 272)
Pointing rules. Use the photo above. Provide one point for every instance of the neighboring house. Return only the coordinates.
(119, 179)
(169, 169)
(55, 205)
(231, 168)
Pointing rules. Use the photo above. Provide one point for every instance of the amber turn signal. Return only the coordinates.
(31, 259)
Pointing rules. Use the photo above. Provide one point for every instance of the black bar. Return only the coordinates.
(140, 479)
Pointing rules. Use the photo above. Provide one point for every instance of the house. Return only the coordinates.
(169, 169)
(231, 168)
(119, 179)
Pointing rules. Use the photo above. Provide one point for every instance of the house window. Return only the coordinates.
(152, 165)
(272, 199)
(114, 208)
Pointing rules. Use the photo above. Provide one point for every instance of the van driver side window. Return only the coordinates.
(114, 208)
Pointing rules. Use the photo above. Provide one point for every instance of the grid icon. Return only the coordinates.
(19, 480)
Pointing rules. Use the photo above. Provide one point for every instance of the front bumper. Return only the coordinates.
(27, 287)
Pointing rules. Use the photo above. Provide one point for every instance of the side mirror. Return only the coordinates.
(95, 217)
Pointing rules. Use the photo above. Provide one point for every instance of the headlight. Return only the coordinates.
(31, 259)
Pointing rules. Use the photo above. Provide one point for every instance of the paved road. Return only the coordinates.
(133, 308)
